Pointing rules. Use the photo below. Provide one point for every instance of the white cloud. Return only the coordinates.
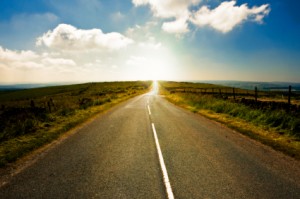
(25, 60)
(223, 18)
(227, 16)
(58, 61)
(142, 32)
(178, 26)
(86, 52)
(7, 55)
(168, 8)
(146, 58)
(59, 65)
(178, 9)
(19, 59)
(67, 37)
(140, 2)
(28, 65)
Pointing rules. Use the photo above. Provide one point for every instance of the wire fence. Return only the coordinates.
(279, 98)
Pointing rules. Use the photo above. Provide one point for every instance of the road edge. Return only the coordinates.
(12, 169)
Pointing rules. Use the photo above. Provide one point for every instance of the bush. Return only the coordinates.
(84, 103)
(18, 128)
(101, 101)
(295, 127)
(66, 112)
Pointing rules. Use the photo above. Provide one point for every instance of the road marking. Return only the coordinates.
(149, 110)
(163, 166)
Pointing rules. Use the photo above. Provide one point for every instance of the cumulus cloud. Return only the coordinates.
(31, 60)
(178, 9)
(168, 8)
(223, 18)
(71, 54)
(227, 16)
(178, 26)
(67, 37)
(19, 59)
(140, 60)
(7, 55)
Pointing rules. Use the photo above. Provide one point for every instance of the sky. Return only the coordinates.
(119, 40)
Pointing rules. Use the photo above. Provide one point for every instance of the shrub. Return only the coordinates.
(101, 101)
(66, 112)
(18, 128)
(84, 103)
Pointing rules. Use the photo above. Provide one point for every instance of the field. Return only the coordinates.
(269, 117)
(31, 118)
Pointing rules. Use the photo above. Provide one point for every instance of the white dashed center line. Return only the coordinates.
(163, 166)
(149, 110)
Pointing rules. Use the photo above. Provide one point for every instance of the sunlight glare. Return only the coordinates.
(158, 65)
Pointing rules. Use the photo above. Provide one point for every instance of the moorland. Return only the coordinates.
(31, 118)
(271, 117)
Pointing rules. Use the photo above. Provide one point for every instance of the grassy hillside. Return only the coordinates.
(271, 122)
(32, 117)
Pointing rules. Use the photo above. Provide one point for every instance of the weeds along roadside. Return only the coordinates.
(31, 118)
(279, 129)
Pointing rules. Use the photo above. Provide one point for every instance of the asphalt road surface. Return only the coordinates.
(118, 156)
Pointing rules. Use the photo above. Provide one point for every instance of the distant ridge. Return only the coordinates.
(11, 87)
(265, 86)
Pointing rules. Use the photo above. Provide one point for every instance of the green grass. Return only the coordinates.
(33, 117)
(278, 128)
(188, 87)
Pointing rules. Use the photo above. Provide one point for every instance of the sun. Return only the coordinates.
(154, 65)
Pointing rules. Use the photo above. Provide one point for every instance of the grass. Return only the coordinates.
(277, 128)
(34, 117)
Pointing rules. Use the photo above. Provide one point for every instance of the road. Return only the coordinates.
(116, 156)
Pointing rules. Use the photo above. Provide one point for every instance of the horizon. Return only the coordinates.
(192, 81)
(44, 42)
(232, 83)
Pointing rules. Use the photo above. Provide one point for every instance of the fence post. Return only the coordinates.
(290, 93)
(49, 106)
(233, 93)
(255, 94)
(32, 104)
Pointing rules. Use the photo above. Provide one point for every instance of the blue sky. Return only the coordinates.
(108, 40)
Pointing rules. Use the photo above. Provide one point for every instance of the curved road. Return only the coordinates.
(116, 156)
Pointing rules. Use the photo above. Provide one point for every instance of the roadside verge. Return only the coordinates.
(289, 145)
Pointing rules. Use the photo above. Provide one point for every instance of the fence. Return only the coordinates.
(285, 94)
